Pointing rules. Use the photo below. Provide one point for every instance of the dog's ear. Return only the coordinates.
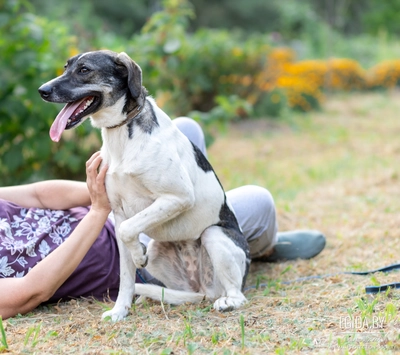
(134, 77)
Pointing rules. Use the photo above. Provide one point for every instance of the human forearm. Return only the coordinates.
(53, 194)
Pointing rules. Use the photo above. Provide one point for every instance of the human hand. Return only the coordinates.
(95, 180)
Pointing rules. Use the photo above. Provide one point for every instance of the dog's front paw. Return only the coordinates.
(137, 249)
(139, 256)
(140, 262)
(227, 304)
(116, 314)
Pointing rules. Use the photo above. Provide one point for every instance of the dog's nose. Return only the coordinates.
(45, 90)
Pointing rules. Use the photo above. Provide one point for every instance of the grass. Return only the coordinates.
(336, 170)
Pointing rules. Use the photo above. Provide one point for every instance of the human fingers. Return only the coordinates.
(101, 177)
(96, 184)
(93, 157)
(92, 165)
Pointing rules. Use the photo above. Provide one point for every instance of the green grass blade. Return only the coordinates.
(4, 344)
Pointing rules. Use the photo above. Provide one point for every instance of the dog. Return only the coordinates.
(158, 183)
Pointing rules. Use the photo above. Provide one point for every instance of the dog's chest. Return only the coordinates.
(127, 196)
(126, 183)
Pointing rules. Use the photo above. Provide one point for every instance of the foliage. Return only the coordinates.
(291, 18)
(273, 103)
(227, 109)
(382, 15)
(33, 50)
(214, 75)
(185, 71)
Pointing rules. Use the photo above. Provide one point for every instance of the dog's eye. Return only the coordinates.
(84, 70)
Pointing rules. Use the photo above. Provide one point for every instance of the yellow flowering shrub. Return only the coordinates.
(344, 74)
(385, 75)
(336, 73)
(302, 94)
(303, 81)
(300, 84)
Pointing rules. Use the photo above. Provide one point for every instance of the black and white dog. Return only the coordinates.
(158, 183)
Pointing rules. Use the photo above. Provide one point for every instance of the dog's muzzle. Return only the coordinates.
(45, 91)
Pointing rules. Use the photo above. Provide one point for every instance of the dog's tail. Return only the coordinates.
(167, 295)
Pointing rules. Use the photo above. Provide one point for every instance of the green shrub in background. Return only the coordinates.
(184, 70)
(215, 76)
(33, 51)
(272, 103)
(227, 109)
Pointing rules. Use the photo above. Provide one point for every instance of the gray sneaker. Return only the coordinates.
(297, 244)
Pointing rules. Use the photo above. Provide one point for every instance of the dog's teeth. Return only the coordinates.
(87, 104)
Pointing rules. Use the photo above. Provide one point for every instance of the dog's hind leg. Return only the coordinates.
(166, 295)
(126, 284)
(230, 266)
(177, 265)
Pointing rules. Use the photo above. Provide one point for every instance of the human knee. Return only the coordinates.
(188, 126)
(261, 197)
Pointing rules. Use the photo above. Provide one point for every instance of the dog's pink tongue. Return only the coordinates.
(59, 124)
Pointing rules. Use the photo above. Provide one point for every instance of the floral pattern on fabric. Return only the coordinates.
(29, 235)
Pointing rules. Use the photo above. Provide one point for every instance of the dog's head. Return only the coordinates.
(92, 82)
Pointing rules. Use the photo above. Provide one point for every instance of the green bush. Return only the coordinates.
(186, 69)
(271, 103)
(33, 51)
(227, 109)
(183, 70)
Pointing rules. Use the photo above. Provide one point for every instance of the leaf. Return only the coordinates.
(172, 45)
(13, 158)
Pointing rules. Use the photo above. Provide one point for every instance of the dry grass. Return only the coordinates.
(336, 171)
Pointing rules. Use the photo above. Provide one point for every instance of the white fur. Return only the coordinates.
(156, 187)
(109, 116)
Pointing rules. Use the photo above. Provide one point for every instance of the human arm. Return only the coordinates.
(53, 194)
(21, 295)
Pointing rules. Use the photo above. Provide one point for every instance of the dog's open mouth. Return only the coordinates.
(72, 114)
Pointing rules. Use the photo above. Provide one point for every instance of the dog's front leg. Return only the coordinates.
(160, 211)
(126, 283)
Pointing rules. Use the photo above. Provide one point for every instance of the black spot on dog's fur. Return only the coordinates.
(227, 218)
(201, 160)
(228, 221)
(130, 129)
(146, 121)
(230, 226)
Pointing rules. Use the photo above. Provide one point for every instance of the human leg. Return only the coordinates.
(191, 129)
(255, 211)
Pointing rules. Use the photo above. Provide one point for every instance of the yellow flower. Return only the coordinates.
(73, 51)
(237, 52)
